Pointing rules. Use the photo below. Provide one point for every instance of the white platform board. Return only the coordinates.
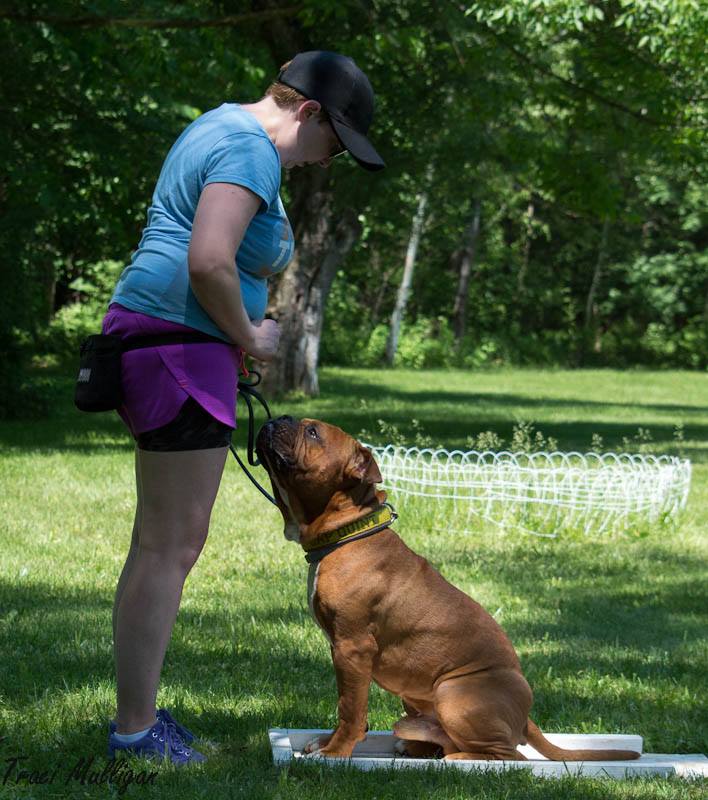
(377, 751)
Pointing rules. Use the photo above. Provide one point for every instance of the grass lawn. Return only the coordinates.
(611, 630)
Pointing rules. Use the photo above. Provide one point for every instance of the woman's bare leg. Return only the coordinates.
(133, 545)
(178, 493)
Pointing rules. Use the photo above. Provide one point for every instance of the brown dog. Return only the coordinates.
(390, 617)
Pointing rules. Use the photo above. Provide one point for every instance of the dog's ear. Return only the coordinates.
(363, 468)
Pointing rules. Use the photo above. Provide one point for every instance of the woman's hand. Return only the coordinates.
(266, 337)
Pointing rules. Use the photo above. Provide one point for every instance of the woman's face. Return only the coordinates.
(310, 139)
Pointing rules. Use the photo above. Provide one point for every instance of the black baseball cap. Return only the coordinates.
(344, 93)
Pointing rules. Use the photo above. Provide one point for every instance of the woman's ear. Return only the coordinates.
(310, 108)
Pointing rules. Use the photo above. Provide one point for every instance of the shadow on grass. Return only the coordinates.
(369, 390)
(68, 432)
(448, 417)
(450, 430)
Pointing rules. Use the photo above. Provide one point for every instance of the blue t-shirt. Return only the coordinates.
(225, 145)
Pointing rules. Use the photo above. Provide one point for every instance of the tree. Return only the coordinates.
(408, 267)
(466, 260)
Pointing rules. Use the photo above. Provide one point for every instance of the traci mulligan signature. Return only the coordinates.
(86, 771)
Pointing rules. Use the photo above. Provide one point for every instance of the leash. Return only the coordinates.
(246, 389)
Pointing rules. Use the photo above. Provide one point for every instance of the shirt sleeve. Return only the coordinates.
(246, 159)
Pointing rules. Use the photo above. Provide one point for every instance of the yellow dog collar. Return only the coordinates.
(371, 523)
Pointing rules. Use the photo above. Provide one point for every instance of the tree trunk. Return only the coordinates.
(469, 251)
(524, 268)
(591, 325)
(382, 286)
(345, 235)
(408, 268)
(298, 301)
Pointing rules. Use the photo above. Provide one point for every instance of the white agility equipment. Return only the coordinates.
(541, 493)
(378, 751)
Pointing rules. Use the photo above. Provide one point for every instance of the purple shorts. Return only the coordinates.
(157, 381)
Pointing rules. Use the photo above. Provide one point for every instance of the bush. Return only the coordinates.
(69, 327)
(75, 321)
(425, 343)
(686, 347)
(375, 349)
(692, 344)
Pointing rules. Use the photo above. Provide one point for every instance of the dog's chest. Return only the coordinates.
(312, 591)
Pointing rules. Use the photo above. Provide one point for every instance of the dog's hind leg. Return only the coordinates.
(484, 714)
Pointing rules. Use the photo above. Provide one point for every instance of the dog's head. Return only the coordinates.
(322, 478)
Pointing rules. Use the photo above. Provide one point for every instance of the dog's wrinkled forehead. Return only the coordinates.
(289, 443)
(316, 443)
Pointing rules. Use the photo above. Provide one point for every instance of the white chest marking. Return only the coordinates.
(312, 591)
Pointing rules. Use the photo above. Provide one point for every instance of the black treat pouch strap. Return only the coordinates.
(158, 339)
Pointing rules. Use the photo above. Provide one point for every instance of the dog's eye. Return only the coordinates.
(312, 432)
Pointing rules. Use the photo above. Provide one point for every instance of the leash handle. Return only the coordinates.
(247, 391)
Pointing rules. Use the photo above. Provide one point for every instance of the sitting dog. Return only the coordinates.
(390, 617)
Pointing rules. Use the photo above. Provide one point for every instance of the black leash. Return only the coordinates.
(246, 389)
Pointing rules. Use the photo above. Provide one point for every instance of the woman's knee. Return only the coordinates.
(186, 557)
(173, 543)
(180, 558)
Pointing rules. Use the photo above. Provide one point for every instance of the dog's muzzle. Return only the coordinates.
(274, 443)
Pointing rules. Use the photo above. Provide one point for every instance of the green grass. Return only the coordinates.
(611, 630)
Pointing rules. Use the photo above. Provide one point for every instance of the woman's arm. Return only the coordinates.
(223, 213)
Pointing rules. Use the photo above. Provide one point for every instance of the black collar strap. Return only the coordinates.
(372, 523)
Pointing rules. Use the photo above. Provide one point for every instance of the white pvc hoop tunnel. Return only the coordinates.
(546, 491)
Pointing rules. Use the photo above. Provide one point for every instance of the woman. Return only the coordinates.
(217, 199)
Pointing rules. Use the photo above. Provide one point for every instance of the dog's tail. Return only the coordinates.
(539, 742)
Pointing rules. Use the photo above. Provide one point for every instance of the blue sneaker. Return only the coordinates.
(161, 742)
(165, 716)
(185, 733)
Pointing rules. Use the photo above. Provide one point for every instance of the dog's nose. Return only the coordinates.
(269, 426)
(278, 421)
(284, 422)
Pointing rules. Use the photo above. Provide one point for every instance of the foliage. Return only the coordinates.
(563, 118)
(22, 395)
(88, 116)
(78, 319)
(579, 114)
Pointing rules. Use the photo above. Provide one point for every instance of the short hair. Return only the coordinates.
(285, 96)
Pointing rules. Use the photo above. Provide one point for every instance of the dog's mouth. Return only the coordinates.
(274, 444)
